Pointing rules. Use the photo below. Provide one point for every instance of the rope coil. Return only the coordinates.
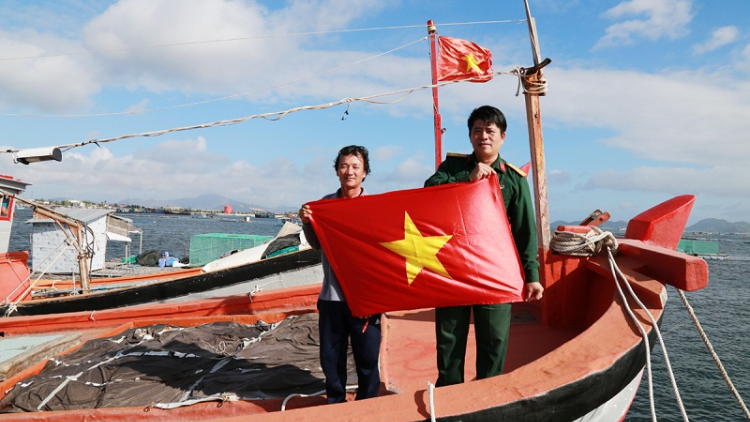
(580, 244)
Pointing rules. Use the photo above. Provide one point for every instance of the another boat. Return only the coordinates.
(65, 286)
(177, 211)
(245, 272)
(270, 265)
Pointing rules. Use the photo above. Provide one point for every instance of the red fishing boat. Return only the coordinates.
(577, 355)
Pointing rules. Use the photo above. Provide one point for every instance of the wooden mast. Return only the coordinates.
(536, 142)
(432, 31)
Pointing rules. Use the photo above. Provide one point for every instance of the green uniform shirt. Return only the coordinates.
(515, 188)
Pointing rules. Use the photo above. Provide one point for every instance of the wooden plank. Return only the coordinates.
(19, 353)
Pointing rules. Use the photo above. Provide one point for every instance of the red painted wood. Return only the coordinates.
(677, 269)
(663, 224)
(14, 271)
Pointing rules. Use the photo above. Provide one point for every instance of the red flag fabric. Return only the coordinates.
(460, 59)
(445, 245)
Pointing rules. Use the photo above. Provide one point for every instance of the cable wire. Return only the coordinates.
(272, 116)
(258, 37)
(271, 88)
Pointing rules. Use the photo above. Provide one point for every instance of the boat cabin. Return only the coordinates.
(52, 253)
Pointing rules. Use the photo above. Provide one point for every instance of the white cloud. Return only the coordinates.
(719, 192)
(558, 176)
(385, 153)
(662, 18)
(49, 84)
(210, 67)
(138, 107)
(743, 59)
(409, 174)
(719, 38)
(668, 117)
(717, 181)
(178, 168)
(686, 126)
(134, 44)
(253, 63)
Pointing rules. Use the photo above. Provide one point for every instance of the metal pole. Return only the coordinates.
(83, 266)
(432, 30)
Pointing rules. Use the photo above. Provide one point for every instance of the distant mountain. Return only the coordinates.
(709, 225)
(208, 202)
(607, 225)
(713, 225)
(212, 202)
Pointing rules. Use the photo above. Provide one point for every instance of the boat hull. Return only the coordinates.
(589, 398)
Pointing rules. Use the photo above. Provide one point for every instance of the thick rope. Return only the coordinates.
(643, 334)
(578, 244)
(715, 357)
(289, 397)
(319, 393)
(431, 391)
(272, 116)
(655, 326)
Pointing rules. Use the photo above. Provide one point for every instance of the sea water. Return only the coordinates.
(723, 309)
(160, 232)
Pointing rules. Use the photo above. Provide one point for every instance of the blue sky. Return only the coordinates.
(648, 99)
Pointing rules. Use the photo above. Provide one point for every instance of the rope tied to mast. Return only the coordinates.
(532, 79)
(534, 84)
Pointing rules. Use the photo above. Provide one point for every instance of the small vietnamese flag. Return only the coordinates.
(460, 59)
(445, 245)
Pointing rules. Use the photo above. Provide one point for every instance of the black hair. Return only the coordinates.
(353, 150)
(490, 115)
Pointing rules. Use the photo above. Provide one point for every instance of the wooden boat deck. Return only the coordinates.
(408, 356)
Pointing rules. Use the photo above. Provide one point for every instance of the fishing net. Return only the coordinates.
(168, 364)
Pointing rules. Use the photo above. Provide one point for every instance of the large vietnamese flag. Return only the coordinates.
(439, 246)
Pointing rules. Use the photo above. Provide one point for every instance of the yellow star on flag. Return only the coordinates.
(472, 65)
(420, 252)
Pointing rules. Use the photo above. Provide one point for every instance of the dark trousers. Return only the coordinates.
(491, 328)
(337, 325)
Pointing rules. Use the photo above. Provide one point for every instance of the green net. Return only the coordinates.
(205, 248)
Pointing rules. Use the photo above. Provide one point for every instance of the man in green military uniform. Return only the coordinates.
(487, 127)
